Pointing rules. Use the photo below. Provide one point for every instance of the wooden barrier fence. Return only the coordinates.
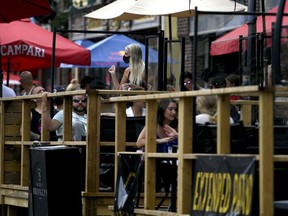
(14, 163)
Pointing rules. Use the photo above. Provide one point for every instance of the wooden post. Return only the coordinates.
(120, 132)
(92, 154)
(184, 147)
(67, 125)
(150, 163)
(266, 163)
(26, 110)
(223, 122)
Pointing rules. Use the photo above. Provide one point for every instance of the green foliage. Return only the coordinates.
(61, 22)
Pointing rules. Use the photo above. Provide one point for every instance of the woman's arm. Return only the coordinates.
(112, 71)
(141, 138)
(170, 132)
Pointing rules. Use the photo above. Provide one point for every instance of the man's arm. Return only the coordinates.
(49, 124)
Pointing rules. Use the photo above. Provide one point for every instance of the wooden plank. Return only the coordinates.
(26, 120)
(13, 106)
(223, 122)
(67, 125)
(150, 163)
(45, 134)
(185, 146)
(93, 144)
(25, 165)
(12, 153)
(2, 142)
(12, 130)
(246, 114)
(266, 137)
(120, 133)
(12, 166)
(13, 118)
(12, 178)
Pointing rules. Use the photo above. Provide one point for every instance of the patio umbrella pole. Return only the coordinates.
(251, 53)
(1, 76)
(8, 73)
(53, 60)
(172, 76)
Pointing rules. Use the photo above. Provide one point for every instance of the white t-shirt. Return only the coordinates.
(204, 118)
(75, 118)
(130, 113)
(7, 91)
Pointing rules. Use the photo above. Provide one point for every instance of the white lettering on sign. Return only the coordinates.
(22, 49)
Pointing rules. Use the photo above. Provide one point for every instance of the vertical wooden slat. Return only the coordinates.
(93, 143)
(26, 119)
(92, 153)
(25, 164)
(185, 146)
(67, 125)
(45, 134)
(246, 114)
(223, 122)
(266, 138)
(120, 132)
(2, 142)
(26, 110)
(150, 163)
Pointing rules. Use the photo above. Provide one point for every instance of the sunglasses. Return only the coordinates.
(187, 83)
(77, 100)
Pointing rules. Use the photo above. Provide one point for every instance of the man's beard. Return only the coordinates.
(79, 109)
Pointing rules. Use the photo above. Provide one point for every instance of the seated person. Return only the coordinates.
(207, 108)
(136, 108)
(79, 117)
(219, 82)
(167, 136)
(167, 123)
(231, 81)
(188, 82)
(35, 124)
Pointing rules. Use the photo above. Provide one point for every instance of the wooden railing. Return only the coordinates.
(14, 164)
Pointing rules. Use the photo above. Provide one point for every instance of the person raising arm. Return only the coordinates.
(134, 75)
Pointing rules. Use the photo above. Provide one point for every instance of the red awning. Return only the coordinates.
(229, 43)
(19, 9)
(27, 46)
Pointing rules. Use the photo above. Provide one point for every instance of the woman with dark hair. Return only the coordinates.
(167, 137)
(167, 124)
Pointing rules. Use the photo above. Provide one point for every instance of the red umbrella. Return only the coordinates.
(18, 9)
(13, 79)
(229, 43)
(27, 46)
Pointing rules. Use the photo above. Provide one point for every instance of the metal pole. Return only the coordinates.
(53, 59)
(251, 53)
(276, 41)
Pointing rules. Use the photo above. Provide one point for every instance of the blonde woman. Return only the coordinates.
(207, 108)
(134, 76)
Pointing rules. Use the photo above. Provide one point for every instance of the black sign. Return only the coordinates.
(129, 170)
(223, 185)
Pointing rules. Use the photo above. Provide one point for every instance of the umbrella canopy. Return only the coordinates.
(229, 43)
(27, 46)
(13, 79)
(18, 9)
(84, 43)
(132, 9)
(110, 51)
